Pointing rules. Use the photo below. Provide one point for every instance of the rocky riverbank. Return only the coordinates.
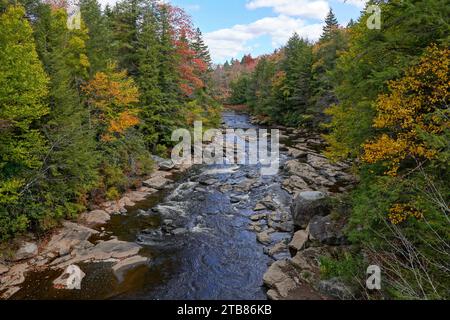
(83, 241)
(311, 179)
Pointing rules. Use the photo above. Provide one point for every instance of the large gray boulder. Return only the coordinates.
(163, 164)
(307, 205)
(327, 231)
(26, 251)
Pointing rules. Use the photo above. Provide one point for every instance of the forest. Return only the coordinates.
(82, 109)
(381, 99)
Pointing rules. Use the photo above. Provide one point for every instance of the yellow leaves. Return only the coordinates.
(401, 212)
(112, 95)
(408, 107)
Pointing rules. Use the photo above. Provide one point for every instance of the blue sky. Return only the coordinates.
(233, 28)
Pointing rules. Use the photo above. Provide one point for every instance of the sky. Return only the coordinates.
(232, 28)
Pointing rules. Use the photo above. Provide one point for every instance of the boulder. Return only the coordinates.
(276, 249)
(308, 173)
(70, 279)
(307, 205)
(278, 279)
(336, 288)
(269, 203)
(259, 207)
(275, 274)
(104, 250)
(3, 269)
(163, 164)
(294, 183)
(121, 267)
(258, 217)
(296, 153)
(27, 250)
(327, 231)
(264, 237)
(96, 217)
(299, 241)
(71, 236)
(157, 182)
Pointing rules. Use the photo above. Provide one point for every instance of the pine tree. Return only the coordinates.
(99, 43)
(297, 65)
(124, 20)
(331, 24)
(201, 49)
(151, 95)
(23, 90)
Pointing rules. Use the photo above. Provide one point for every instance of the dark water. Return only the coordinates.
(210, 255)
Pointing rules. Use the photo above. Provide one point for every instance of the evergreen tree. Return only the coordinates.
(98, 45)
(201, 49)
(151, 96)
(331, 24)
(297, 66)
(23, 90)
(124, 19)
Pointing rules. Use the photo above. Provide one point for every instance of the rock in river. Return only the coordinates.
(121, 267)
(70, 279)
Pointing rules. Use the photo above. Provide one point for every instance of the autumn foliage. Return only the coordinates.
(112, 97)
(417, 104)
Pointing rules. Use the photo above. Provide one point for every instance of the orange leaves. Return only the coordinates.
(411, 106)
(112, 97)
(111, 89)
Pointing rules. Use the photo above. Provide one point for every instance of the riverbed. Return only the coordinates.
(196, 235)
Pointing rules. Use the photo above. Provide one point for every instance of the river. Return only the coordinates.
(210, 252)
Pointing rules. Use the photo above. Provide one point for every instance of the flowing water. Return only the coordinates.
(195, 235)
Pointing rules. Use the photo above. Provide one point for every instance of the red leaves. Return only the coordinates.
(190, 66)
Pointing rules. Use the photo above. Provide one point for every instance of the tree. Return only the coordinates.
(71, 165)
(23, 90)
(201, 49)
(297, 67)
(150, 92)
(331, 24)
(113, 98)
(99, 43)
(414, 113)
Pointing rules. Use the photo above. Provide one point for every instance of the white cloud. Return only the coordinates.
(315, 9)
(357, 3)
(232, 42)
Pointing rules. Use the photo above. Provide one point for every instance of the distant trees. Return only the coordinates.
(299, 86)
